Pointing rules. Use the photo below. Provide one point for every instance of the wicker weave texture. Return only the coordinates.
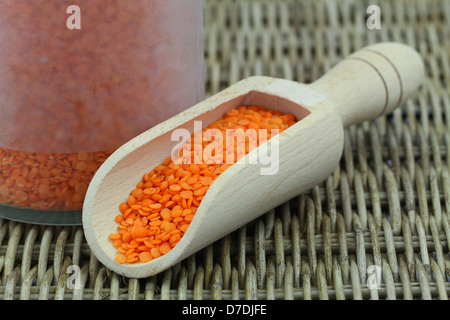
(385, 209)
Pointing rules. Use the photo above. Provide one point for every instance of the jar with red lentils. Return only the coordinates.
(80, 78)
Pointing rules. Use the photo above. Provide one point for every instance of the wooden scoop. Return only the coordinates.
(367, 84)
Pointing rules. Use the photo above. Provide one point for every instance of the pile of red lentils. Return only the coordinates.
(159, 210)
(46, 181)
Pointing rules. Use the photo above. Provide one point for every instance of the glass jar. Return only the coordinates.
(80, 78)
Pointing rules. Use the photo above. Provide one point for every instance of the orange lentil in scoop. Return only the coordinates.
(159, 210)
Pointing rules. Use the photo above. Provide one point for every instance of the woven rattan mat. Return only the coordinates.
(385, 209)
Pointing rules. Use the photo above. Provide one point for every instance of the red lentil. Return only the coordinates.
(172, 192)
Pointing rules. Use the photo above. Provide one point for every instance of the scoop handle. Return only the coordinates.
(372, 81)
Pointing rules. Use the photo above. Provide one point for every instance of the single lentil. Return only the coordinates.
(159, 210)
